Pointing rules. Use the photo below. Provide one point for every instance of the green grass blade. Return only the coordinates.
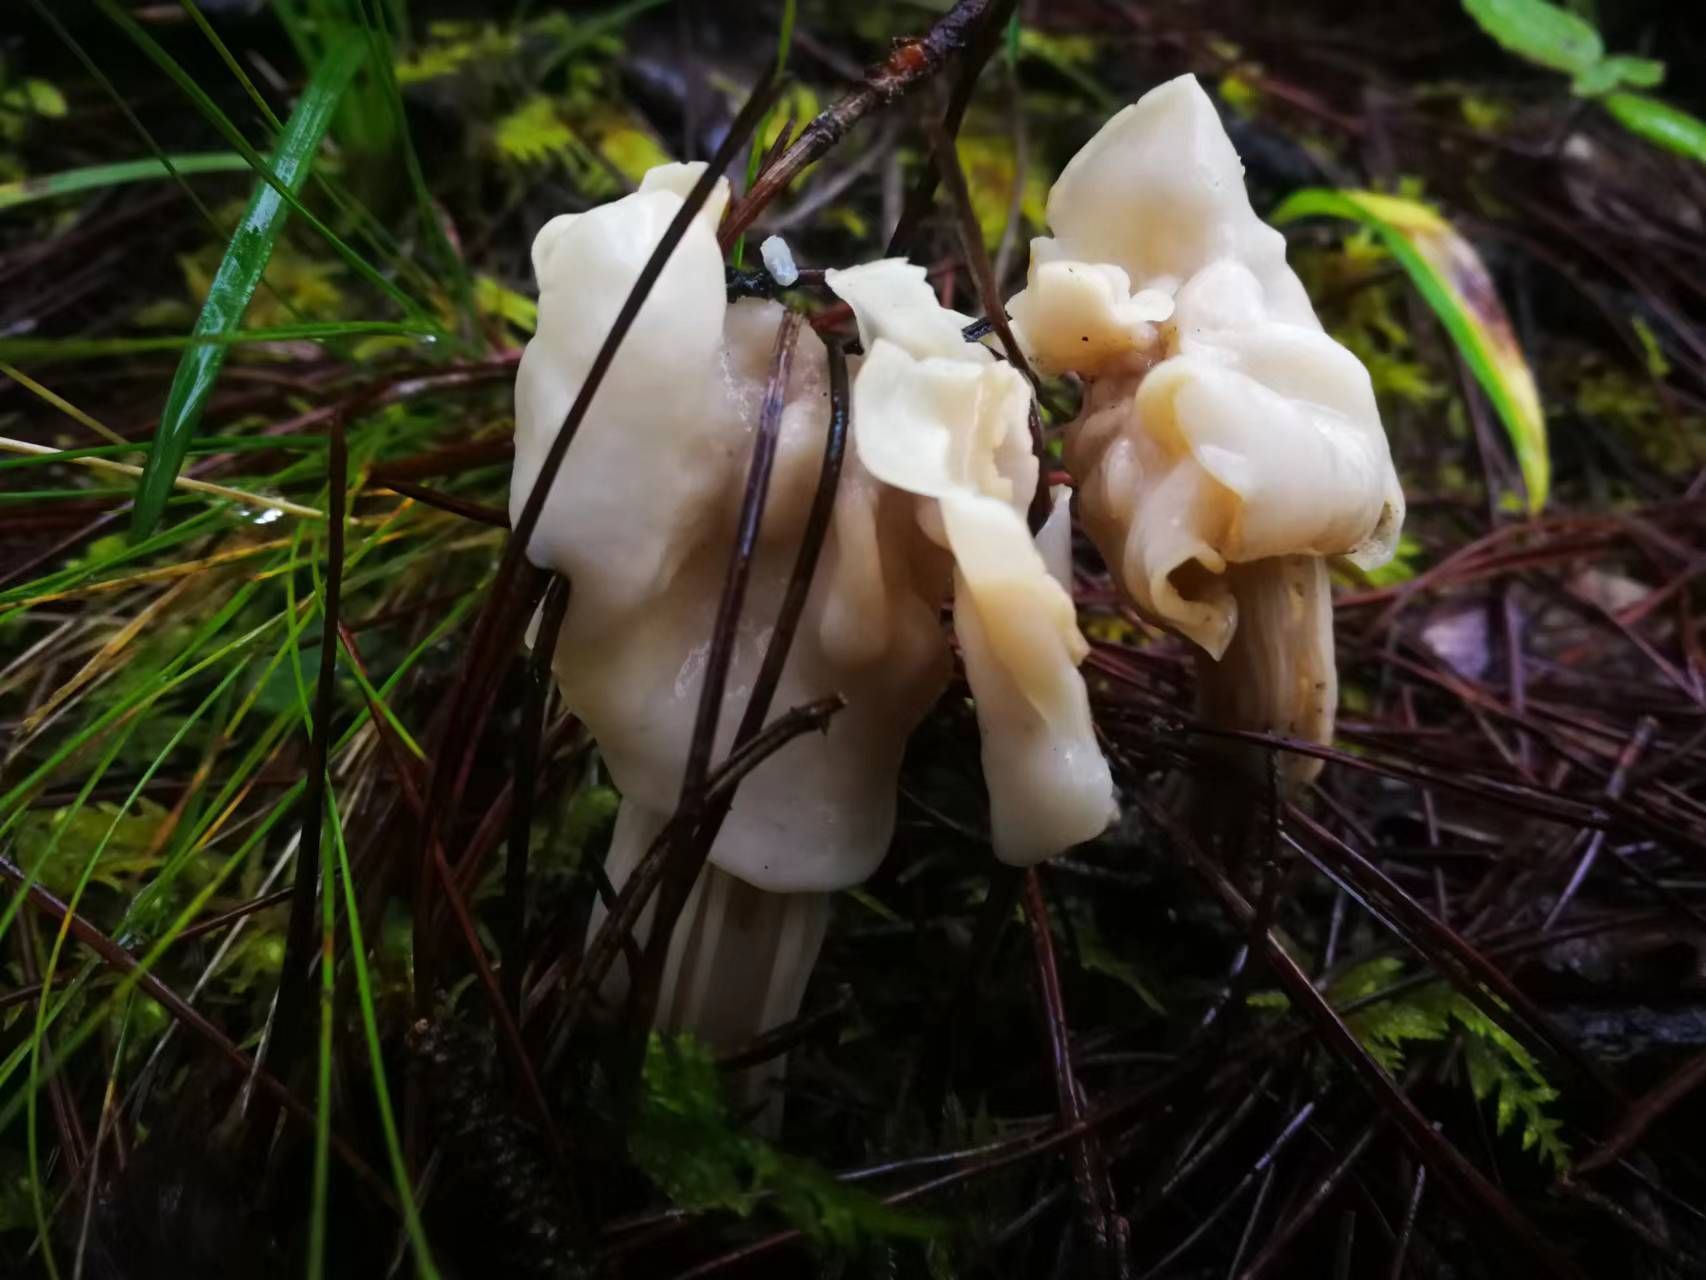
(785, 37)
(96, 176)
(122, 104)
(232, 65)
(257, 162)
(784, 42)
(95, 1020)
(63, 933)
(283, 807)
(1660, 124)
(170, 679)
(236, 280)
(356, 106)
(32, 1147)
(50, 349)
(76, 573)
(376, 1054)
(1454, 281)
(207, 444)
(381, 66)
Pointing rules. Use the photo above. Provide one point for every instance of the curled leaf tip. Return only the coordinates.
(1455, 282)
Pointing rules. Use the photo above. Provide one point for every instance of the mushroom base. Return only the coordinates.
(738, 962)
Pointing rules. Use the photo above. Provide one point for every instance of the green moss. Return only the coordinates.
(687, 1143)
(1628, 403)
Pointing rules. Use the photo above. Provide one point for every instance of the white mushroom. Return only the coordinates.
(1226, 443)
(939, 417)
(641, 519)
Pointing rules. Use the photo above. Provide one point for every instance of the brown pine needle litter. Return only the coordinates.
(300, 969)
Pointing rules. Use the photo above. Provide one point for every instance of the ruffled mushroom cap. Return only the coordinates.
(1226, 444)
(1049, 785)
(1250, 438)
(667, 367)
(641, 519)
(940, 418)
(1158, 194)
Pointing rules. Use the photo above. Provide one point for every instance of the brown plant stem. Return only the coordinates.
(913, 62)
(1089, 1167)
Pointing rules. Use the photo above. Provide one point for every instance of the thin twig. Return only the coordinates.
(1089, 1168)
(913, 62)
(514, 948)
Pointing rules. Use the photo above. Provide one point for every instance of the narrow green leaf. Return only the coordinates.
(784, 41)
(376, 1053)
(96, 176)
(1540, 32)
(785, 37)
(236, 280)
(231, 64)
(1660, 124)
(361, 127)
(207, 444)
(1615, 72)
(1454, 281)
(382, 67)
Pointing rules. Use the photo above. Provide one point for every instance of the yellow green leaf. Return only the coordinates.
(1454, 281)
(44, 99)
(989, 166)
(632, 151)
(494, 299)
(1238, 93)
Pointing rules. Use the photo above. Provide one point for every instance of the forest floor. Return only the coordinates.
(1442, 1016)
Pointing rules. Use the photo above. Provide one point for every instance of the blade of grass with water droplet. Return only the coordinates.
(1454, 281)
(237, 278)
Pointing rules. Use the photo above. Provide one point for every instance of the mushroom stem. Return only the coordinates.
(738, 962)
(1277, 674)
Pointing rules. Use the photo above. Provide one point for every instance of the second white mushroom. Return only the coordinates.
(1226, 445)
